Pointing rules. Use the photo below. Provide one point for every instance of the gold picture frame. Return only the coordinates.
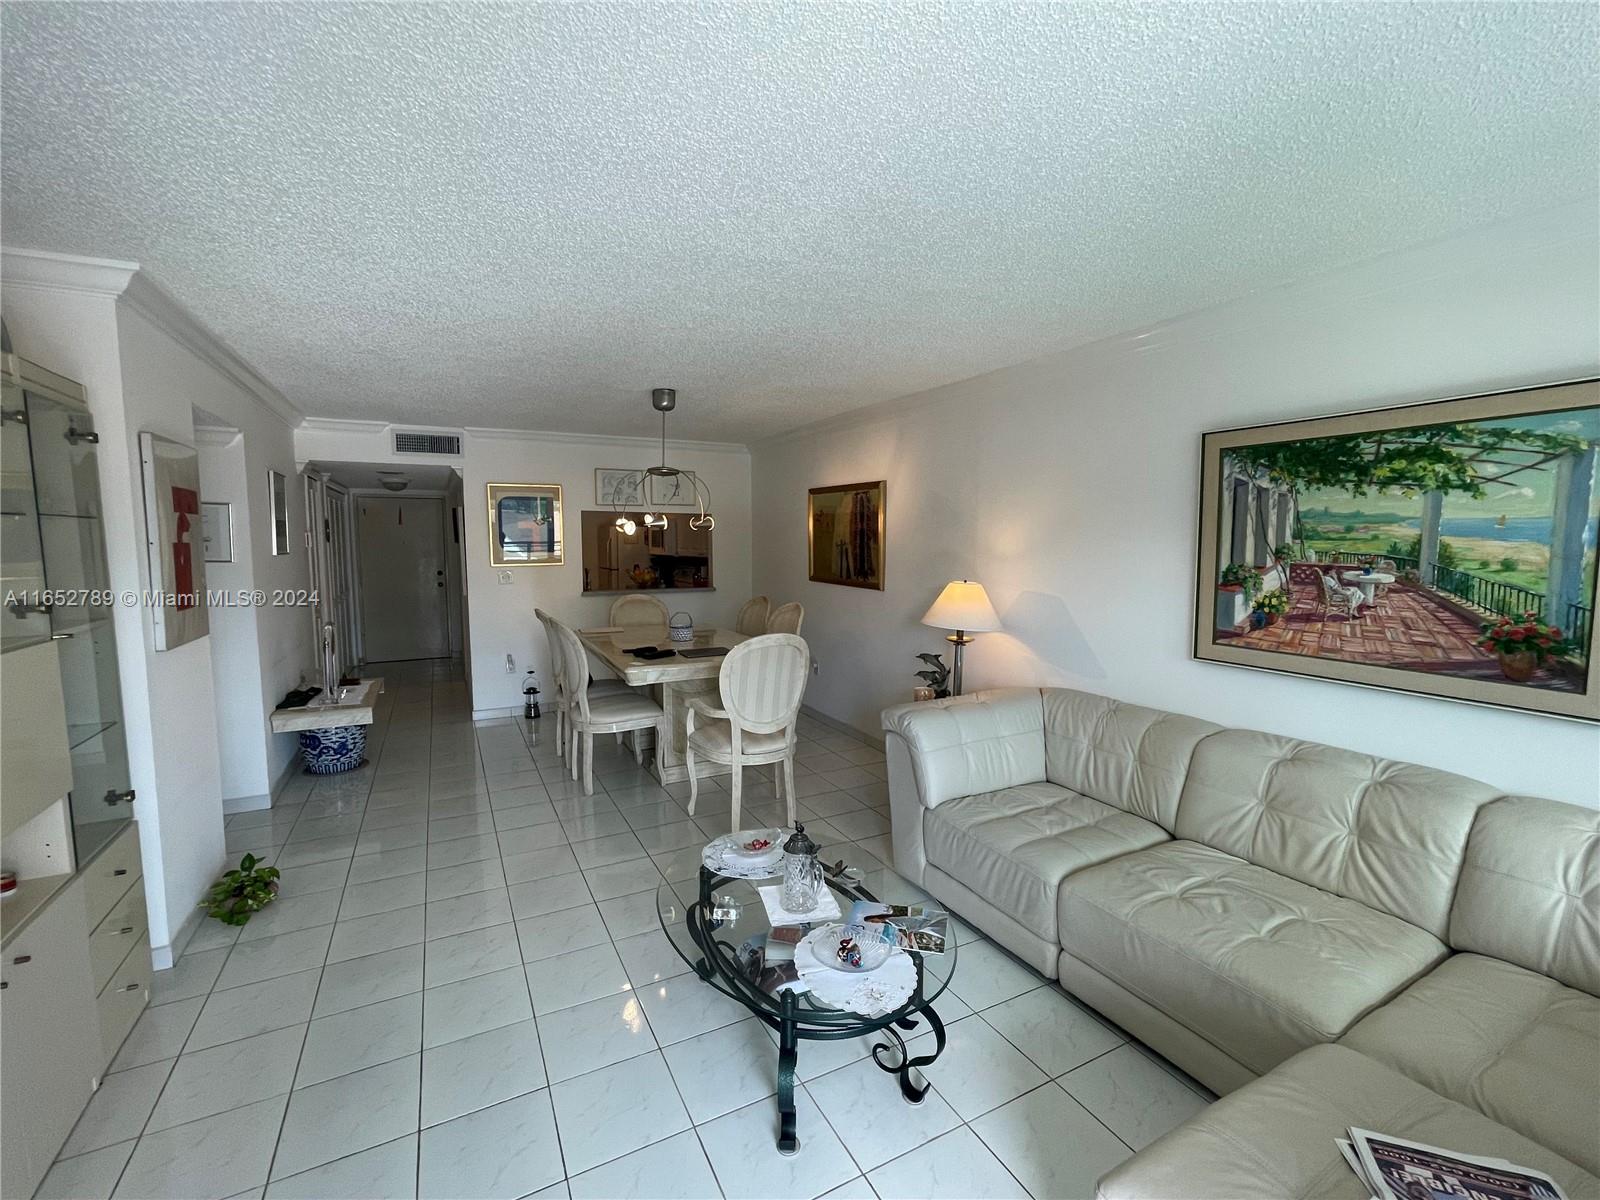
(845, 534)
(525, 528)
(1405, 548)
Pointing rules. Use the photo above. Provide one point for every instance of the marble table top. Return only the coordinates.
(609, 647)
(353, 706)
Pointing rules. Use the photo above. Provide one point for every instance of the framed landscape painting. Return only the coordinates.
(845, 534)
(1445, 548)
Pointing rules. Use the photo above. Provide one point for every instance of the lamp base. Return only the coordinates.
(960, 641)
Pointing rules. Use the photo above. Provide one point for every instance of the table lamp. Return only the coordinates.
(964, 607)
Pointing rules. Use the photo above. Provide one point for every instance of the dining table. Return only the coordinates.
(673, 682)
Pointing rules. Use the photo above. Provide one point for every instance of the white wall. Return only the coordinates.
(500, 618)
(1069, 486)
(97, 323)
(235, 657)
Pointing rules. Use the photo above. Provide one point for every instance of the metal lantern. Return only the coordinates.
(802, 873)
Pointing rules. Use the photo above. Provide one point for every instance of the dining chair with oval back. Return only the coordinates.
(615, 712)
(787, 618)
(759, 688)
(638, 610)
(561, 693)
(752, 618)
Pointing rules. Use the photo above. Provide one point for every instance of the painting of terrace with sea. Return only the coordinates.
(1463, 548)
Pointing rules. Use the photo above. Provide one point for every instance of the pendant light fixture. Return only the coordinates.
(664, 400)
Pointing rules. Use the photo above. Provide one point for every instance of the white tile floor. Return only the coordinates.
(463, 992)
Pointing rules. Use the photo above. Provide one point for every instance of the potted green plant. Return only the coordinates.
(1269, 606)
(242, 892)
(1240, 577)
(1523, 644)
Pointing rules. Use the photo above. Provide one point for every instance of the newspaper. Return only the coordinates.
(909, 926)
(1396, 1169)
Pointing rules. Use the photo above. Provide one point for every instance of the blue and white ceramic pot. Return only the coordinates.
(329, 751)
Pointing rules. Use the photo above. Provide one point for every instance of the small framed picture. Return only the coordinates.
(525, 525)
(619, 487)
(216, 530)
(668, 490)
(278, 506)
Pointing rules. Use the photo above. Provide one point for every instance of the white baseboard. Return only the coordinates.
(239, 804)
(873, 740)
(290, 770)
(489, 714)
(163, 957)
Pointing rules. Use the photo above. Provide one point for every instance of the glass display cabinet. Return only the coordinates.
(57, 587)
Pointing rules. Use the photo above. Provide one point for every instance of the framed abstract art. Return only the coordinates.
(174, 540)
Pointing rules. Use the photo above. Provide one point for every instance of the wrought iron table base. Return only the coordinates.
(892, 1056)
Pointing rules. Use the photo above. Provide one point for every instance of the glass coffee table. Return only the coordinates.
(710, 944)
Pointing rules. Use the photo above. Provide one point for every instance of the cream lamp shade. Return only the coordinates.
(963, 605)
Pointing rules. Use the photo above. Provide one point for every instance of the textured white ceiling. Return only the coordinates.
(528, 215)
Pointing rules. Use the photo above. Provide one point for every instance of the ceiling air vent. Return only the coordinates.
(410, 441)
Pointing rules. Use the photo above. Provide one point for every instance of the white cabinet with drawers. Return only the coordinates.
(74, 977)
(47, 1063)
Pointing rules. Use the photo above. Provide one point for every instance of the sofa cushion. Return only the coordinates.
(971, 744)
(1388, 834)
(1530, 889)
(1258, 964)
(1516, 1046)
(1013, 847)
(1129, 757)
(1274, 1139)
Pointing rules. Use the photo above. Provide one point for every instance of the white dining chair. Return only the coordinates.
(560, 693)
(759, 686)
(629, 611)
(786, 618)
(752, 618)
(588, 714)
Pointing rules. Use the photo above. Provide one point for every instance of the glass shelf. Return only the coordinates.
(51, 475)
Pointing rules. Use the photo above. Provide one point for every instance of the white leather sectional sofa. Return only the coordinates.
(1324, 938)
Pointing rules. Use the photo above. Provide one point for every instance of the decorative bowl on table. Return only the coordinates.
(855, 949)
(755, 846)
(741, 855)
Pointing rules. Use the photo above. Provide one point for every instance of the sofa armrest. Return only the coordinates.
(905, 809)
(971, 744)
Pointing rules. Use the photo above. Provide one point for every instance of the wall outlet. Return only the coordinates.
(505, 576)
(511, 665)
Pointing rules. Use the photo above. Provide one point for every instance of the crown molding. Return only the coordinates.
(152, 302)
(603, 439)
(108, 277)
(127, 283)
(342, 425)
(215, 435)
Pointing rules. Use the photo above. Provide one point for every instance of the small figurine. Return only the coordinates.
(937, 675)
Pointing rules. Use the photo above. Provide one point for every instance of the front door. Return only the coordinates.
(402, 577)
